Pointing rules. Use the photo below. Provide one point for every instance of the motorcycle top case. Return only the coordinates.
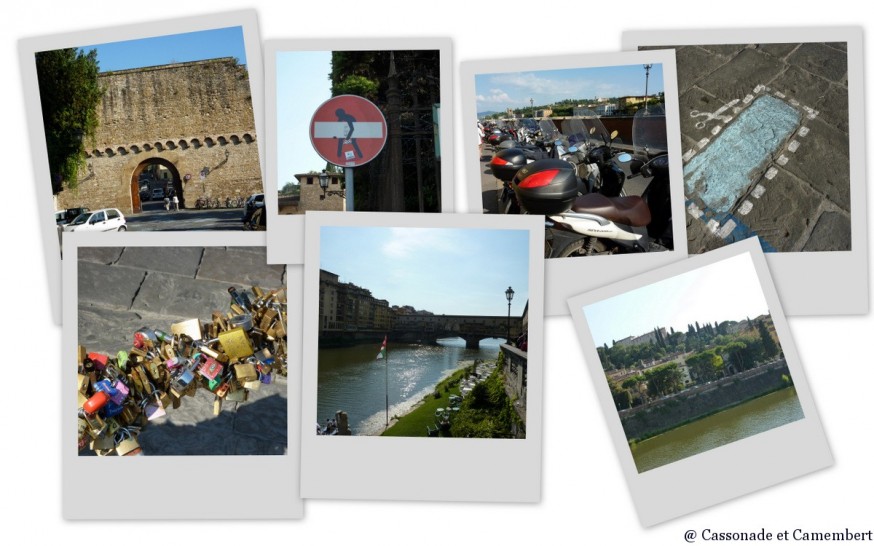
(546, 186)
(507, 163)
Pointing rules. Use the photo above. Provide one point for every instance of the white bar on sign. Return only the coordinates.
(338, 129)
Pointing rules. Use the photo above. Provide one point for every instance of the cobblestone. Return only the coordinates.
(806, 200)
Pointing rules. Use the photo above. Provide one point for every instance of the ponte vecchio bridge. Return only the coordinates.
(473, 329)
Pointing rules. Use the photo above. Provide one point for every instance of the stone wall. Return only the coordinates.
(311, 193)
(645, 421)
(196, 116)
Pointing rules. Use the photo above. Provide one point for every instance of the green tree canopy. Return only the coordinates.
(769, 347)
(69, 94)
(705, 366)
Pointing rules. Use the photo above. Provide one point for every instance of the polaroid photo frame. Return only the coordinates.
(382, 468)
(677, 486)
(272, 478)
(117, 158)
(285, 238)
(568, 276)
(814, 75)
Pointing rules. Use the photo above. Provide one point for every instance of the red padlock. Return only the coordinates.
(97, 401)
(99, 360)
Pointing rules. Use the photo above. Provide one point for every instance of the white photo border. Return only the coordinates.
(277, 481)
(27, 49)
(388, 468)
(744, 466)
(568, 276)
(285, 233)
(847, 271)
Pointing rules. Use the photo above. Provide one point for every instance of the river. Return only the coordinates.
(747, 419)
(352, 380)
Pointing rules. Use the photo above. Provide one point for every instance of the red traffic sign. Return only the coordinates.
(348, 131)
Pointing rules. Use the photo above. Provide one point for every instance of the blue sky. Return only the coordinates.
(726, 290)
(443, 270)
(497, 92)
(173, 48)
(302, 85)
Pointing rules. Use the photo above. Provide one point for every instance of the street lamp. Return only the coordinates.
(509, 293)
(323, 183)
(646, 89)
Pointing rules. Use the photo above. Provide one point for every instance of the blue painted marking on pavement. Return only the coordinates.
(740, 232)
(721, 173)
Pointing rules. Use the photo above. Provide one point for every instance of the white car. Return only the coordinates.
(98, 220)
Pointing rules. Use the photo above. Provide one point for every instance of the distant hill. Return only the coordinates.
(481, 115)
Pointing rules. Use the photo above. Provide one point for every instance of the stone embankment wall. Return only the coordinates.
(645, 421)
(196, 117)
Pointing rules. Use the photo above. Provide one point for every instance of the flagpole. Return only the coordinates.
(386, 382)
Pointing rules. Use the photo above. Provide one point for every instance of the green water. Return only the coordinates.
(747, 419)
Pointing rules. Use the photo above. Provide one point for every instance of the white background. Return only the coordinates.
(585, 500)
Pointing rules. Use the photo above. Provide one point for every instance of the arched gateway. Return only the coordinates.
(193, 122)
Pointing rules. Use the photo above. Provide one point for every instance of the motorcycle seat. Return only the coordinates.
(631, 210)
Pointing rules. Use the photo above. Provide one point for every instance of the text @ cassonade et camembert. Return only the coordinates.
(798, 535)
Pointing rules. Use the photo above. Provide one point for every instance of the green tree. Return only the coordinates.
(664, 380)
(69, 94)
(290, 188)
(734, 351)
(365, 73)
(769, 347)
(705, 366)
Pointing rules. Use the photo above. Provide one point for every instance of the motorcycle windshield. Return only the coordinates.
(549, 130)
(649, 132)
(586, 128)
(529, 125)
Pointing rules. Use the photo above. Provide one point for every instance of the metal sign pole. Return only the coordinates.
(350, 188)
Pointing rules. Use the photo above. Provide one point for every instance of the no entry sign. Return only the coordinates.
(348, 131)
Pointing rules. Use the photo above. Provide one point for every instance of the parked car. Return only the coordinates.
(98, 220)
(253, 212)
(157, 193)
(63, 217)
(255, 200)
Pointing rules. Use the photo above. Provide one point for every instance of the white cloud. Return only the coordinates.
(533, 83)
(406, 241)
(494, 96)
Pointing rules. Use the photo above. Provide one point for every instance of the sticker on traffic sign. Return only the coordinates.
(348, 131)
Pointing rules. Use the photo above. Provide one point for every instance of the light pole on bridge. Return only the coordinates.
(509, 293)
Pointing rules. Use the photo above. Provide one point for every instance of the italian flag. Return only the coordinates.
(382, 349)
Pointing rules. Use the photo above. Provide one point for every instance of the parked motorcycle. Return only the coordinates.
(582, 220)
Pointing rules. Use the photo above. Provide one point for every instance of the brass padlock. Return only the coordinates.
(96, 425)
(81, 354)
(217, 405)
(128, 447)
(218, 322)
(235, 343)
(191, 328)
(239, 395)
(102, 443)
(267, 319)
(245, 372)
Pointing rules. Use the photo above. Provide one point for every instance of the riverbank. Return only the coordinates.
(698, 402)
(416, 421)
(745, 420)
(633, 441)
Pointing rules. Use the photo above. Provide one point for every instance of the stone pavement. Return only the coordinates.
(124, 289)
(790, 188)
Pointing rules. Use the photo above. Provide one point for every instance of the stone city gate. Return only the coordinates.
(194, 119)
